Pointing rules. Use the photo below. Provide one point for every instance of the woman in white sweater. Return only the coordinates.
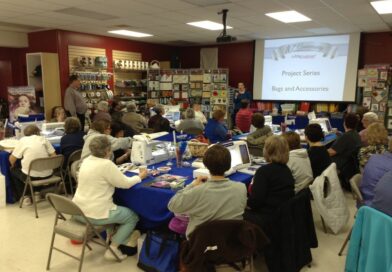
(98, 177)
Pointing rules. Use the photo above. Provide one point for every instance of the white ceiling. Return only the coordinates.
(166, 19)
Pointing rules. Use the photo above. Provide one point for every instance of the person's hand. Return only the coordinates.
(199, 180)
(143, 173)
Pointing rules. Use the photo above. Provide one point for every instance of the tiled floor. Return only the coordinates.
(24, 245)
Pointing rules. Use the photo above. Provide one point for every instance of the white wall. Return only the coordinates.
(13, 39)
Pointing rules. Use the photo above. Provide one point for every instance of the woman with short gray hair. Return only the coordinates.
(98, 177)
(134, 120)
(103, 111)
(190, 124)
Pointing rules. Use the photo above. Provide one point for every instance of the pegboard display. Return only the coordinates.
(90, 64)
(206, 87)
(375, 84)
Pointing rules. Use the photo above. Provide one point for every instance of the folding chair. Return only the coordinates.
(73, 229)
(42, 164)
(355, 181)
(75, 156)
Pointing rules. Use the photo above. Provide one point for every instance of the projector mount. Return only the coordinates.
(223, 37)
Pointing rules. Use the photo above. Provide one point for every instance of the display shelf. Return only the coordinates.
(94, 78)
(131, 77)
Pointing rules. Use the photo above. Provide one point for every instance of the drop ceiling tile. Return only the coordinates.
(18, 8)
(262, 6)
(68, 3)
(298, 5)
(234, 10)
(170, 5)
(124, 7)
(35, 4)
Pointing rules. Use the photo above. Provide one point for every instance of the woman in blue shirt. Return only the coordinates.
(216, 130)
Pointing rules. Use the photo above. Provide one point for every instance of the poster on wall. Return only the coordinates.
(22, 100)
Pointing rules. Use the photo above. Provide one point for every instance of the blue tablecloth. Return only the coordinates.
(5, 170)
(151, 203)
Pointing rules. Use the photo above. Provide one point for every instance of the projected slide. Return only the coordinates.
(311, 68)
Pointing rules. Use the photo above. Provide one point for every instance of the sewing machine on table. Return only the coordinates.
(147, 151)
(240, 159)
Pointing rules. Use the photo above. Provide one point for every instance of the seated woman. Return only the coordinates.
(121, 155)
(216, 130)
(73, 138)
(190, 123)
(376, 167)
(299, 162)
(98, 177)
(367, 119)
(103, 112)
(133, 119)
(157, 122)
(377, 140)
(58, 114)
(30, 147)
(318, 154)
(273, 184)
(103, 127)
(257, 138)
(243, 118)
(216, 198)
(383, 194)
(116, 111)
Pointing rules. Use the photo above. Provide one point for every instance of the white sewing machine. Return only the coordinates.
(147, 151)
(240, 159)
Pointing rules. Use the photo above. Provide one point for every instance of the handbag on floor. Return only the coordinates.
(160, 252)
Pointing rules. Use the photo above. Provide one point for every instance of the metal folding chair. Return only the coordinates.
(73, 229)
(75, 156)
(355, 181)
(42, 164)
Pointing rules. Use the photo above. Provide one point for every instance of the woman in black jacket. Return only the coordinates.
(157, 122)
(273, 184)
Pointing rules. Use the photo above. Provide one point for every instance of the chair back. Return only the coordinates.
(75, 156)
(355, 181)
(64, 205)
(227, 241)
(194, 131)
(49, 163)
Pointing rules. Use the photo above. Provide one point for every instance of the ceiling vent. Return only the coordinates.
(207, 3)
(86, 13)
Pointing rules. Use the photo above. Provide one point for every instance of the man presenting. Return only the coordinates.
(73, 101)
(241, 94)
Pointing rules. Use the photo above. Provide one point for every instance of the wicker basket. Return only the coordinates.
(197, 148)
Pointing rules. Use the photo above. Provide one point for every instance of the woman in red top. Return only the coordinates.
(243, 118)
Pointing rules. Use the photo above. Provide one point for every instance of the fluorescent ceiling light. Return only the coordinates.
(208, 25)
(382, 7)
(130, 33)
(290, 16)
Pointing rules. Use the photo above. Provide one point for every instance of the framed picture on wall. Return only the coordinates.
(384, 75)
(383, 106)
(374, 107)
(389, 124)
(390, 112)
(366, 102)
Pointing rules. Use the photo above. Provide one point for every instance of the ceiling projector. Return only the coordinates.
(223, 37)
